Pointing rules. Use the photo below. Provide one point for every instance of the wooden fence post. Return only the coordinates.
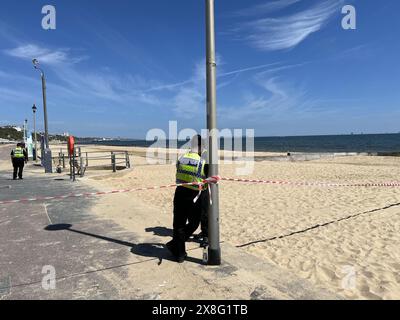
(113, 163)
(73, 164)
(81, 166)
(128, 163)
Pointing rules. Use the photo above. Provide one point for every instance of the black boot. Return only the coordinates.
(181, 259)
(171, 247)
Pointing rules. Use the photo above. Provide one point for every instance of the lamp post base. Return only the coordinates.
(34, 157)
(47, 161)
(214, 257)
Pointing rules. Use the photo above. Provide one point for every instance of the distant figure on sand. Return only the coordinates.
(19, 157)
(188, 212)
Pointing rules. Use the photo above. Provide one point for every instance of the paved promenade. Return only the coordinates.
(95, 258)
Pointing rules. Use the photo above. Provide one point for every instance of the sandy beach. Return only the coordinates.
(345, 239)
(358, 257)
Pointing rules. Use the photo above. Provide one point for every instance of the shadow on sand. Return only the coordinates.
(166, 232)
(160, 231)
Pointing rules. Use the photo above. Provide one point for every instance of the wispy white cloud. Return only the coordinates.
(252, 68)
(78, 87)
(186, 99)
(44, 55)
(188, 102)
(286, 32)
(277, 99)
(281, 67)
(169, 86)
(201, 74)
(12, 95)
(266, 8)
(121, 90)
(189, 99)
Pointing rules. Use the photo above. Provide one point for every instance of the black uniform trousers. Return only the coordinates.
(18, 164)
(187, 217)
(204, 213)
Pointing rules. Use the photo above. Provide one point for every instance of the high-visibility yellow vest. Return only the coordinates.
(190, 168)
(18, 153)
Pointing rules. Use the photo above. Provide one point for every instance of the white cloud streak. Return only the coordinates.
(196, 79)
(286, 32)
(190, 98)
(277, 100)
(44, 55)
(186, 98)
(78, 87)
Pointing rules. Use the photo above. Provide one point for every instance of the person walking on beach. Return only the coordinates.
(19, 157)
(189, 201)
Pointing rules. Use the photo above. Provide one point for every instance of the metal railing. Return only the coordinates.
(81, 161)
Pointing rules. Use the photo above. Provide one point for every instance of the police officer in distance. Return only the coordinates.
(19, 157)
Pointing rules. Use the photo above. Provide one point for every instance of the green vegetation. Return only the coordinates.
(10, 133)
(57, 137)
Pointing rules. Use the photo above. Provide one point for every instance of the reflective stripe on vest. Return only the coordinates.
(190, 168)
(18, 153)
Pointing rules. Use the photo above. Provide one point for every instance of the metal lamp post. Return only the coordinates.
(34, 131)
(214, 249)
(25, 130)
(47, 152)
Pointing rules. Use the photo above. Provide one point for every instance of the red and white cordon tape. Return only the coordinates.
(314, 184)
(211, 180)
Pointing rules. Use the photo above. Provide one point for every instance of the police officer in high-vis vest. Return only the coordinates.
(19, 157)
(189, 201)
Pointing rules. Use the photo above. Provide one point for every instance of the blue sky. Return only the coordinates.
(285, 67)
